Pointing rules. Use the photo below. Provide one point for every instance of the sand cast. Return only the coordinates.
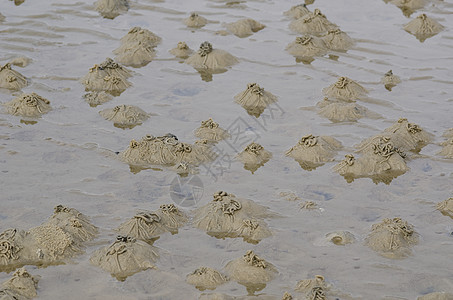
(390, 80)
(345, 89)
(337, 40)
(195, 21)
(446, 207)
(210, 131)
(97, 98)
(181, 50)
(313, 151)
(297, 11)
(136, 54)
(110, 9)
(206, 278)
(28, 105)
(22, 285)
(212, 59)
(255, 99)
(423, 27)
(306, 47)
(341, 111)
(11, 79)
(392, 238)
(254, 156)
(125, 116)
(135, 35)
(245, 27)
(312, 23)
(125, 257)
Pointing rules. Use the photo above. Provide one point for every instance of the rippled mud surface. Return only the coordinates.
(68, 155)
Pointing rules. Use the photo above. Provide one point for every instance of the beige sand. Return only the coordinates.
(337, 40)
(125, 257)
(340, 238)
(447, 150)
(22, 285)
(423, 27)
(205, 278)
(115, 69)
(11, 79)
(250, 269)
(313, 151)
(14, 250)
(446, 207)
(145, 226)
(136, 54)
(208, 58)
(313, 288)
(307, 46)
(409, 4)
(74, 223)
(210, 131)
(287, 296)
(245, 27)
(195, 21)
(109, 77)
(20, 61)
(229, 216)
(181, 50)
(110, 9)
(28, 105)
(165, 150)
(254, 156)
(341, 111)
(138, 34)
(437, 296)
(390, 80)
(172, 217)
(125, 116)
(255, 99)
(97, 98)
(312, 23)
(404, 135)
(297, 11)
(345, 89)
(392, 238)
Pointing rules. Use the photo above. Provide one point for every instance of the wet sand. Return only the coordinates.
(68, 156)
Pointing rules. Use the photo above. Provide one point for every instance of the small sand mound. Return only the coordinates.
(345, 89)
(136, 54)
(337, 40)
(423, 27)
(254, 156)
(138, 34)
(144, 226)
(340, 111)
(446, 207)
(11, 79)
(307, 46)
(21, 286)
(447, 150)
(313, 151)
(392, 238)
(206, 278)
(97, 98)
(109, 77)
(110, 9)
(228, 216)
(195, 21)
(313, 288)
(409, 6)
(297, 11)
(381, 161)
(312, 23)
(71, 221)
(210, 131)
(251, 270)
(244, 27)
(165, 150)
(404, 135)
(181, 50)
(209, 58)
(125, 257)
(28, 105)
(389, 80)
(125, 116)
(255, 99)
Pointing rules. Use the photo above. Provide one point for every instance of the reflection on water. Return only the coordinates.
(62, 39)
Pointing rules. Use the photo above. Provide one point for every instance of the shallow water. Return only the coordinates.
(68, 158)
